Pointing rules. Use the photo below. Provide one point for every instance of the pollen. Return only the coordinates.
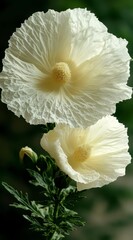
(61, 72)
(81, 154)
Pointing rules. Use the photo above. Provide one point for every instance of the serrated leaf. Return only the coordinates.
(44, 181)
(18, 205)
(51, 216)
(22, 198)
(34, 223)
(39, 181)
(56, 236)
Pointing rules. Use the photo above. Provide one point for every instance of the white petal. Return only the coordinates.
(86, 43)
(52, 146)
(109, 154)
(103, 84)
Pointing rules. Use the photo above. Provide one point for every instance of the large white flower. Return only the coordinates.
(64, 67)
(94, 156)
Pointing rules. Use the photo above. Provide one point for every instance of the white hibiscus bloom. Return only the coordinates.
(64, 67)
(94, 156)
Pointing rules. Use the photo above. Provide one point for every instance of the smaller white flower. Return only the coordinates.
(94, 156)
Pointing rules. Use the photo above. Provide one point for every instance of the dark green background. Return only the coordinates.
(108, 210)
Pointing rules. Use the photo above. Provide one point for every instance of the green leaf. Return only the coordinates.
(18, 205)
(51, 216)
(22, 198)
(56, 236)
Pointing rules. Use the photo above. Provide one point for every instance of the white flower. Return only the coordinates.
(64, 67)
(94, 156)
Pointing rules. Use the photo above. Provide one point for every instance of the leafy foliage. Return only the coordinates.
(51, 217)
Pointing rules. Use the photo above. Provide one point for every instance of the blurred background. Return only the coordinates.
(108, 211)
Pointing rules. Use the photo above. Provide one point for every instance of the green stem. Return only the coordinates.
(57, 205)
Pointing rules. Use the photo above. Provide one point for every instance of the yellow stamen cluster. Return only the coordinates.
(61, 72)
(80, 154)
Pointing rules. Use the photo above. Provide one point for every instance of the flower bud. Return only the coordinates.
(26, 153)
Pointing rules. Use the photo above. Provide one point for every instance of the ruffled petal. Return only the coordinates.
(109, 152)
(101, 82)
(88, 35)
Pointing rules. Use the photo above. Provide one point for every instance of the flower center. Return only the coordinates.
(80, 155)
(61, 72)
